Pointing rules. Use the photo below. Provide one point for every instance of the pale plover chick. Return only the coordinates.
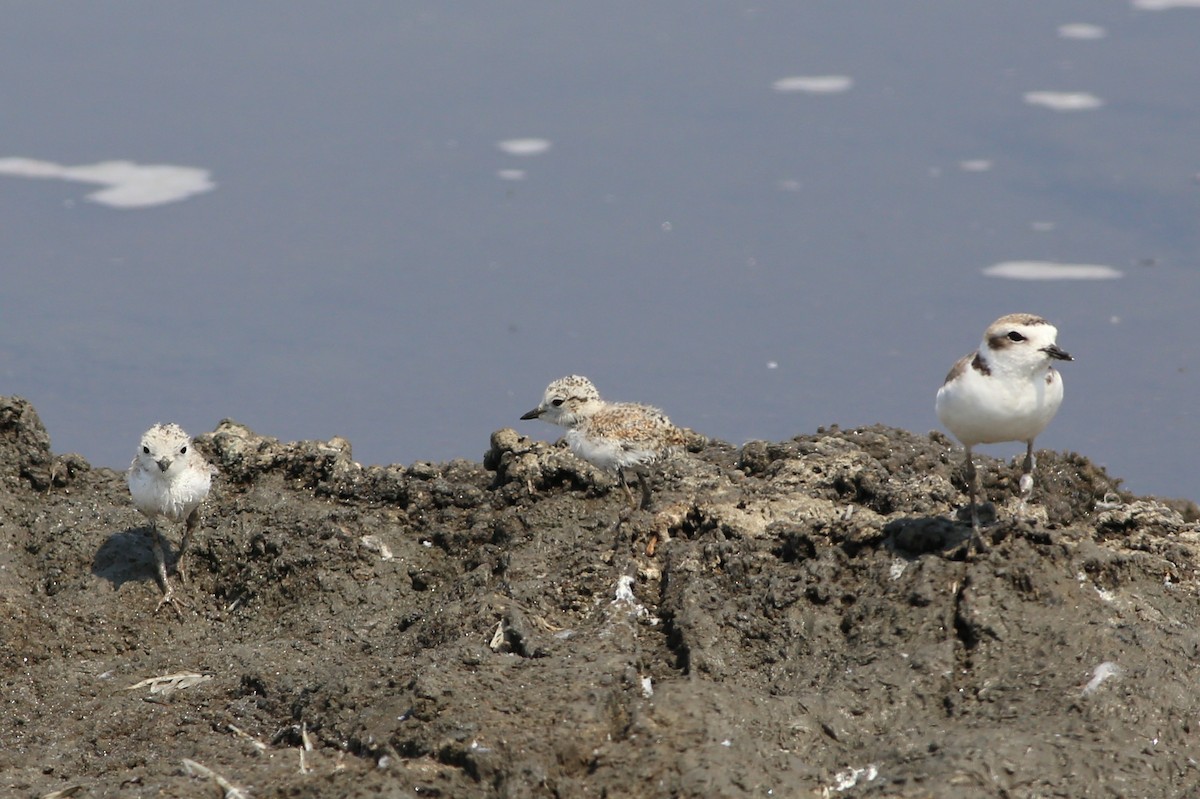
(169, 478)
(613, 436)
(1005, 391)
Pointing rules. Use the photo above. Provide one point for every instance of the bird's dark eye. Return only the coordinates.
(556, 402)
(146, 450)
(183, 450)
(1015, 336)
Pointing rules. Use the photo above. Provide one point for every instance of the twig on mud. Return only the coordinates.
(375, 544)
(64, 793)
(245, 736)
(497, 639)
(547, 625)
(195, 769)
(168, 684)
(305, 747)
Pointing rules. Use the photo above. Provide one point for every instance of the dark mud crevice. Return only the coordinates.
(966, 632)
(677, 646)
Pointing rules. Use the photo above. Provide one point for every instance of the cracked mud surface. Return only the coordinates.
(808, 625)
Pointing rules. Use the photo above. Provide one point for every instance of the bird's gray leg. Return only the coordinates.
(193, 521)
(644, 481)
(1026, 483)
(625, 486)
(627, 511)
(976, 538)
(160, 566)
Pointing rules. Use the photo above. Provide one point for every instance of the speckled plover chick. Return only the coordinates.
(613, 436)
(168, 477)
(1005, 391)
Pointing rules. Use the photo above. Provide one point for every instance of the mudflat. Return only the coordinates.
(796, 618)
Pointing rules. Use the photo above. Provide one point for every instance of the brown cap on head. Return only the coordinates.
(1020, 319)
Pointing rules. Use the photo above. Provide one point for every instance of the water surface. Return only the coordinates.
(763, 218)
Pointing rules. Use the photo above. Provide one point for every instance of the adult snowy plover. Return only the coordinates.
(169, 478)
(1005, 391)
(610, 435)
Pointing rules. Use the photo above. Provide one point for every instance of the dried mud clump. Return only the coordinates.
(25, 457)
(796, 618)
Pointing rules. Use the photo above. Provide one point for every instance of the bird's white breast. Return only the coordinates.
(174, 496)
(607, 453)
(986, 409)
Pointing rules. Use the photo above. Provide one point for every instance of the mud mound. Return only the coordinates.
(808, 625)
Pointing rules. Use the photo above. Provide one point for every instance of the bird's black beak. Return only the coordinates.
(164, 464)
(1054, 352)
(535, 413)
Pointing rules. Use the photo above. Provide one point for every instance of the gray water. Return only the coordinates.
(372, 263)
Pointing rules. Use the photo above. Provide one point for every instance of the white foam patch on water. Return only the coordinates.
(975, 165)
(814, 84)
(511, 174)
(1081, 30)
(126, 184)
(1064, 101)
(1049, 270)
(1163, 5)
(524, 147)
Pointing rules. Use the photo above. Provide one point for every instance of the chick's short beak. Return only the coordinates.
(164, 464)
(1054, 352)
(535, 413)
